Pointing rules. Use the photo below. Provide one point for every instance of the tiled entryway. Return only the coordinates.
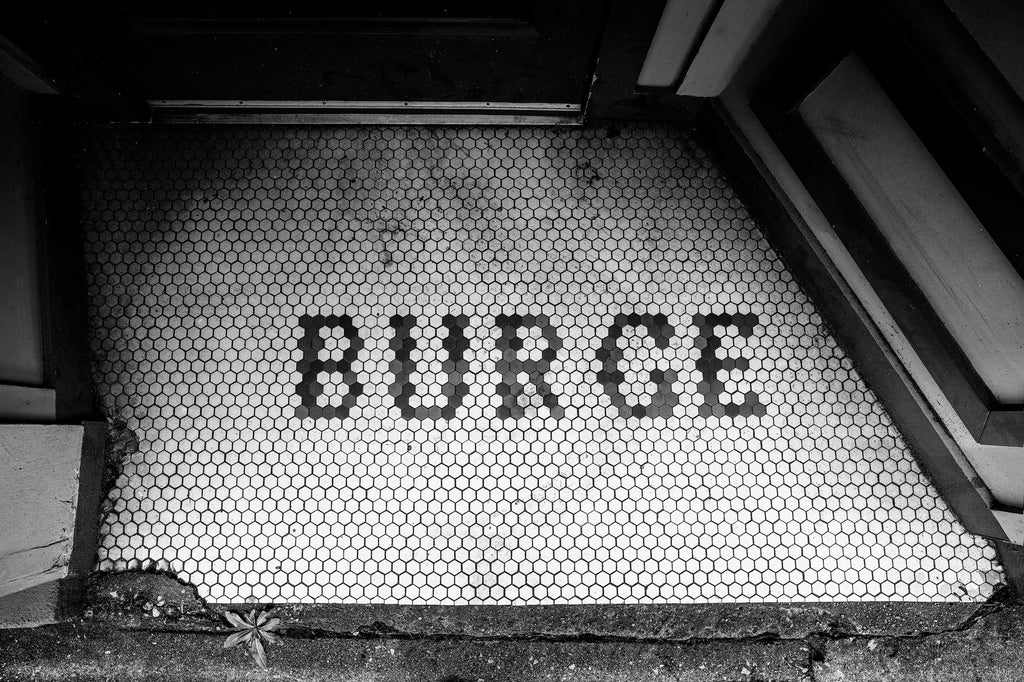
(488, 366)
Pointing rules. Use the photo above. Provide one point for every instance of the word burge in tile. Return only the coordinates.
(524, 367)
(484, 366)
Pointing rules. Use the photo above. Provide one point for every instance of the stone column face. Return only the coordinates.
(39, 487)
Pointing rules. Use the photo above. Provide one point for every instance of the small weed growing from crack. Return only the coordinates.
(253, 629)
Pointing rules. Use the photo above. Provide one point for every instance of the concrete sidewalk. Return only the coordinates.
(121, 639)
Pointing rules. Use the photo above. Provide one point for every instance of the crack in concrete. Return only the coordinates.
(840, 628)
(816, 641)
(48, 545)
(804, 657)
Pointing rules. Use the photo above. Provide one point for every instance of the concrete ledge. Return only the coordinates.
(151, 626)
(989, 647)
(49, 484)
(27, 403)
(686, 622)
(84, 652)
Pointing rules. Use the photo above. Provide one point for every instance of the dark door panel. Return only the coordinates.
(361, 51)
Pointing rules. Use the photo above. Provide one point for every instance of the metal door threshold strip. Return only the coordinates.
(366, 113)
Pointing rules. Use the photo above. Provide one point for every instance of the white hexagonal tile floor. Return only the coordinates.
(484, 366)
